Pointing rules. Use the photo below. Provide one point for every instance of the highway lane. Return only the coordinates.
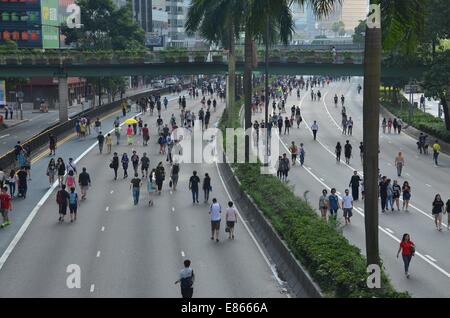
(428, 280)
(127, 251)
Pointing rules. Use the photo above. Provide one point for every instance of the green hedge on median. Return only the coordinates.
(336, 265)
(421, 120)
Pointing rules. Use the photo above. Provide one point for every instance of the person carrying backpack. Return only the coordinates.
(62, 198)
(73, 204)
(186, 280)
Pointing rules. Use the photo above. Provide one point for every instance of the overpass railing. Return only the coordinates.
(74, 57)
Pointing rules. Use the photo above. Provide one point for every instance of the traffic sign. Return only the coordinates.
(412, 89)
(20, 94)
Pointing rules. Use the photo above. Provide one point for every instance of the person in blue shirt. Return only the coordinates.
(334, 205)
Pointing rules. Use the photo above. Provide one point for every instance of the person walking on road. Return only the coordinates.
(52, 144)
(84, 181)
(406, 190)
(130, 135)
(389, 125)
(135, 161)
(347, 151)
(347, 206)
(109, 143)
(315, 128)
(114, 164)
(333, 203)
(5, 206)
(70, 180)
(61, 167)
(436, 151)
(361, 151)
(399, 163)
(355, 182)
(186, 280)
(350, 126)
(231, 219)
(294, 151)
(174, 175)
(151, 186)
(408, 249)
(145, 164)
(323, 204)
(101, 141)
(285, 167)
(438, 208)
(396, 194)
(160, 176)
(117, 132)
(51, 171)
(338, 151)
(447, 210)
(390, 196)
(145, 135)
(193, 186)
(206, 187)
(73, 204)
(62, 199)
(302, 154)
(383, 125)
(12, 181)
(125, 161)
(135, 187)
(215, 210)
(383, 193)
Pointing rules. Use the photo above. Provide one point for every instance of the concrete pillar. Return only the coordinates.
(63, 92)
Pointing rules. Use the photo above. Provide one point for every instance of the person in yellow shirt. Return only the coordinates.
(436, 151)
(109, 142)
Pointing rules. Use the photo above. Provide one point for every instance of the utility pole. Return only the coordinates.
(371, 115)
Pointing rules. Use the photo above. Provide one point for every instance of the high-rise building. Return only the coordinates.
(352, 12)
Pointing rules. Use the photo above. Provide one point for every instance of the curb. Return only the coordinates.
(292, 272)
(414, 132)
(16, 124)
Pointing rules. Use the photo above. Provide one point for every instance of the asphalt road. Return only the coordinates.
(128, 251)
(430, 268)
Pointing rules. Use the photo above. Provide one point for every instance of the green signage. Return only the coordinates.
(50, 24)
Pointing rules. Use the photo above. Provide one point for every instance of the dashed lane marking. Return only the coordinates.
(182, 254)
(177, 228)
(103, 229)
(98, 254)
(92, 288)
(107, 209)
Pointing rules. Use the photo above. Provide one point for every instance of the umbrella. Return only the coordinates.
(131, 121)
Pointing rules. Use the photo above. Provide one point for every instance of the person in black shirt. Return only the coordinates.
(206, 186)
(193, 186)
(101, 141)
(84, 180)
(383, 193)
(135, 185)
(354, 183)
(22, 182)
(361, 151)
(135, 161)
(347, 151)
(62, 198)
(115, 164)
(145, 163)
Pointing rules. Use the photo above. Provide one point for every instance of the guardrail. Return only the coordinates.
(40, 140)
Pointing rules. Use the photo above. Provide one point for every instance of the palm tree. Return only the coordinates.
(219, 22)
(402, 21)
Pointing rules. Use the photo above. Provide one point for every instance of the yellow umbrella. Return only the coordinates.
(131, 121)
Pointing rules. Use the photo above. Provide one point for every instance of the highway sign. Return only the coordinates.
(412, 89)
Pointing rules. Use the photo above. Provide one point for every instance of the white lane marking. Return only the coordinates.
(107, 209)
(112, 191)
(428, 185)
(98, 254)
(92, 288)
(429, 257)
(171, 192)
(173, 209)
(353, 169)
(271, 266)
(182, 254)
(389, 164)
(407, 174)
(389, 230)
(322, 179)
(177, 228)
(328, 112)
(103, 229)
(361, 212)
(7, 135)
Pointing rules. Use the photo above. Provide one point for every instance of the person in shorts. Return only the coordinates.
(347, 206)
(62, 198)
(84, 180)
(215, 210)
(5, 206)
(231, 218)
(73, 204)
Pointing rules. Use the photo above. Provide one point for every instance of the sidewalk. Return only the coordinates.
(431, 106)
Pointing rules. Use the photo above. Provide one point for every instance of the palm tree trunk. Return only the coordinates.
(231, 84)
(248, 89)
(445, 110)
(371, 113)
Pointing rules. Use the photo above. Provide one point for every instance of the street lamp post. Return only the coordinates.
(266, 93)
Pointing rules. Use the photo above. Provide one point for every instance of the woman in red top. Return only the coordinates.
(408, 248)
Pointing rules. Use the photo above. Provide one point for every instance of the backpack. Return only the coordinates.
(73, 198)
(187, 282)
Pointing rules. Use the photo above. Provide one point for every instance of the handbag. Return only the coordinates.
(111, 165)
(413, 250)
(227, 229)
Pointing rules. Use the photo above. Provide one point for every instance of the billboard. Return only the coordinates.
(50, 24)
(152, 39)
(2, 93)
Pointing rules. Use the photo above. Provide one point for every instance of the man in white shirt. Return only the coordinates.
(347, 206)
(215, 211)
(315, 128)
